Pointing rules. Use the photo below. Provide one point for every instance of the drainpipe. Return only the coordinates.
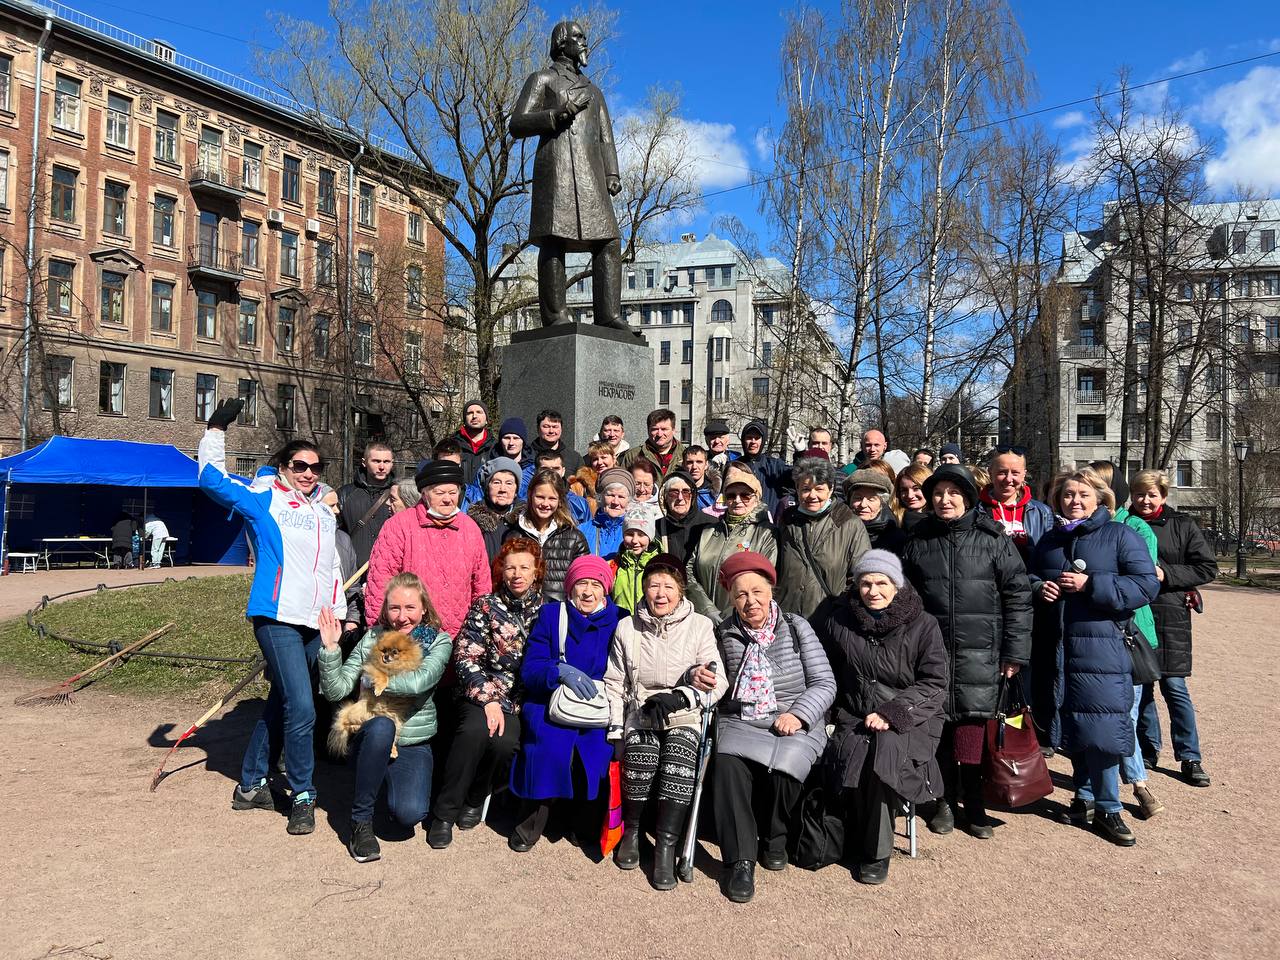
(28, 317)
(348, 472)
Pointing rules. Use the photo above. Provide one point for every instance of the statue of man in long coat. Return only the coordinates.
(575, 175)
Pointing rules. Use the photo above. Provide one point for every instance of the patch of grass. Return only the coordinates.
(208, 614)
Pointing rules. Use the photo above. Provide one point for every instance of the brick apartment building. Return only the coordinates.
(196, 239)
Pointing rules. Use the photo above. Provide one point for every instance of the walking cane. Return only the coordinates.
(684, 864)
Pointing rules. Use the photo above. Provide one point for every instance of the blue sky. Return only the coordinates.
(724, 55)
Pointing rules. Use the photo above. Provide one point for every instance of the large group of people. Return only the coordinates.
(851, 626)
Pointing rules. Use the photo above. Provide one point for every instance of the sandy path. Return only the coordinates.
(93, 857)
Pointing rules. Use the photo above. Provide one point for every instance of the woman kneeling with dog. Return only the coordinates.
(386, 730)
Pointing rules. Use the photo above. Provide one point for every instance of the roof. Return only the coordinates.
(110, 463)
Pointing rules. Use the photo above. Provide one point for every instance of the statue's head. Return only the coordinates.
(569, 40)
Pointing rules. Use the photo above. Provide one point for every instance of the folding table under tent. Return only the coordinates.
(74, 486)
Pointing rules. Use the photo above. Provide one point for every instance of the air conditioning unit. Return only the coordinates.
(313, 227)
(275, 216)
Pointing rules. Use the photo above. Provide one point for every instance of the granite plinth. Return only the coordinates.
(584, 371)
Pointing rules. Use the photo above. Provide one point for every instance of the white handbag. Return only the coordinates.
(567, 708)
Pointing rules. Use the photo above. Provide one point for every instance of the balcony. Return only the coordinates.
(1083, 351)
(216, 182)
(1090, 397)
(208, 261)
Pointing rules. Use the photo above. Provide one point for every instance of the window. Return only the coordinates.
(66, 104)
(413, 352)
(664, 392)
(1212, 378)
(62, 204)
(206, 314)
(59, 383)
(1269, 284)
(162, 306)
(284, 406)
(364, 343)
(1187, 290)
(1091, 427)
(4, 179)
(1183, 429)
(210, 151)
(686, 390)
(1182, 376)
(325, 264)
(1244, 332)
(719, 348)
(413, 286)
(1213, 426)
(252, 166)
(1267, 241)
(631, 279)
(1182, 475)
(719, 388)
(247, 391)
(646, 316)
(166, 130)
(722, 312)
(415, 227)
(726, 276)
(1208, 473)
(766, 354)
(1142, 331)
(61, 275)
(686, 352)
(320, 337)
(286, 326)
(161, 394)
(1238, 241)
(1135, 426)
(1240, 286)
(321, 412)
(760, 386)
(1271, 372)
(246, 466)
(119, 115)
(1089, 335)
(366, 204)
(6, 80)
(1185, 334)
(247, 326)
(667, 316)
(1272, 329)
(112, 297)
(209, 227)
(687, 312)
(291, 182)
(327, 194)
(162, 218)
(288, 253)
(650, 276)
(206, 396)
(111, 388)
(709, 274)
(249, 235)
(664, 352)
(1213, 288)
(364, 273)
(115, 200)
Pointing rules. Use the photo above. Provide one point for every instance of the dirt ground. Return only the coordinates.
(96, 866)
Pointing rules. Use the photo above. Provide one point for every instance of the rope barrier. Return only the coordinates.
(112, 646)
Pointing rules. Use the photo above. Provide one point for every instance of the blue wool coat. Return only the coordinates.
(543, 767)
(1094, 687)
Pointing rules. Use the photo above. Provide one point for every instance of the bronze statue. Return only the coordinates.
(575, 173)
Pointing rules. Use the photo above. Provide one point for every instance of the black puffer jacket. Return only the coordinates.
(560, 549)
(473, 460)
(896, 666)
(885, 533)
(969, 575)
(354, 501)
(1187, 560)
(676, 532)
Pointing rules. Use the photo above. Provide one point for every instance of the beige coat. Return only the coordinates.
(650, 655)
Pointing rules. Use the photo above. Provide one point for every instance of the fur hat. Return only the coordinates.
(880, 561)
(746, 561)
(588, 567)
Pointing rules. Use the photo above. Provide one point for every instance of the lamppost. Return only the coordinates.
(1242, 451)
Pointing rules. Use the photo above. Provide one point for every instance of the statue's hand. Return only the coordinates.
(614, 185)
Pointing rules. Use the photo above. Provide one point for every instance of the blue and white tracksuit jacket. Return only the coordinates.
(297, 570)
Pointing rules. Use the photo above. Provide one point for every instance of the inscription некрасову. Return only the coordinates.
(617, 391)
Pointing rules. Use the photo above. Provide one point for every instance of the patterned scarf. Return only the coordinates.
(755, 677)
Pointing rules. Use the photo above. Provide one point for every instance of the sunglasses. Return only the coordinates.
(679, 494)
(1011, 448)
(742, 495)
(316, 467)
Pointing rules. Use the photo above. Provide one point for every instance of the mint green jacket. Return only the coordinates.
(1143, 616)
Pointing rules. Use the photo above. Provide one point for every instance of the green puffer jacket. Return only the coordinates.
(1143, 617)
(339, 680)
(711, 545)
(816, 556)
(627, 589)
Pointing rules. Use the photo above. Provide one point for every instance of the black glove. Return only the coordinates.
(226, 414)
(619, 748)
(660, 706)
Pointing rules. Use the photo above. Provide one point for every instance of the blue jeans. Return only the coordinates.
(290, 713)
(1182, 719)
(1131, 768)
(1097, 779)
(407, 778)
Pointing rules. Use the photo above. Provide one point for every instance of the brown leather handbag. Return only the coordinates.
(1014, 773)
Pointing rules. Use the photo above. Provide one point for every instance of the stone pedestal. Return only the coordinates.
(584, 371)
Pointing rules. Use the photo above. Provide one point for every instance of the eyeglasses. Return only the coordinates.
(679, 494)
(1009, 448)
(315, 467)
(743, 495)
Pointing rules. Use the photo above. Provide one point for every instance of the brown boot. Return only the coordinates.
(1148, 805)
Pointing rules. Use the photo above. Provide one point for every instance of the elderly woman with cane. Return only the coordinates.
(772, 725)
(654, 710)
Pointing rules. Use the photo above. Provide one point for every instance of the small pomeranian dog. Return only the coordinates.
(394, 653)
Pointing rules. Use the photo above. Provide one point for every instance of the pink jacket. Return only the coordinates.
(451, 561)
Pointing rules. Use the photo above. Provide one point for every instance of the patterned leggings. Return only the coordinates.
(668, 756)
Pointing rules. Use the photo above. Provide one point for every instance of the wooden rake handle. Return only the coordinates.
(137, 645)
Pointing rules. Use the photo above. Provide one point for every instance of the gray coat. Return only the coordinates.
(802, 682)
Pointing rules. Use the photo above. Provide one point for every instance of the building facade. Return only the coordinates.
(194, 239)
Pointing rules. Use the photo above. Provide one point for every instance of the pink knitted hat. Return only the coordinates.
(588, 567)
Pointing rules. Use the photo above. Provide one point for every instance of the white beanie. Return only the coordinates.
(640, 517)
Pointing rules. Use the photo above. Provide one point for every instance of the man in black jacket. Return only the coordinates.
(474, 437)
(550, 431)
(355, 500)
(774, 474)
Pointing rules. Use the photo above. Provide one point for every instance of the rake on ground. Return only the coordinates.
(60, 693)
(208, 715)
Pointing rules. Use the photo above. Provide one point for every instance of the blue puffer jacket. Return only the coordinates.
(1094, 688)
(603, 533)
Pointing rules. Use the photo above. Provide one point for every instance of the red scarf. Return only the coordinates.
(664, 459)
(475, 442)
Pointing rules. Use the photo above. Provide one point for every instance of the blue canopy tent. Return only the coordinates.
(155, 477)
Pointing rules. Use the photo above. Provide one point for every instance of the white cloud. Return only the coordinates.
(1248, 111)
(718, 159)
(764, 144)
(1072, 118)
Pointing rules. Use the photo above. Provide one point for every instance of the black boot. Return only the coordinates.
(671, 818)
(740, 886)
(943, 819)
(975, 814)
(627, 853)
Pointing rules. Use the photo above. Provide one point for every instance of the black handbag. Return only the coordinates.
(817, 829)
(1146, 664)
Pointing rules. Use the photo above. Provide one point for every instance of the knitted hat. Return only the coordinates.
(956, 474)
(588, 567)
(951, 448)
(438, 471)
(513, 425)
(746, 561)
(715, 428)
(616, 475)
(498, 465)
(737, 473)
(880, 561)
(869, 478)
(474, 403)
(640, 517)
(665, 563)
